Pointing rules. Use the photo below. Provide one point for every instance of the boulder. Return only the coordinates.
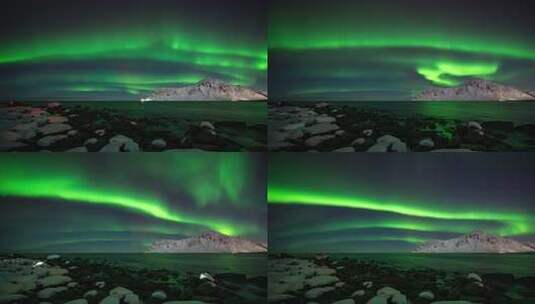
(54, 129)
(159, 143)
(377, 300)
(321, 281)
(325, 119)
(474, 125)
(50, 140)
(207, 125)
(57, 271)
(358, 142)
(53, 257)
(294, 126)
(388, 143)
(54, 280)
(77, 301)
(131, 298)
(345, 301)
(77, 149)
(317, 292)
(90, 141)
(427, 294)
(159, 295)
(474, 277)
(358, 293)
(110, 300)
(387, 292)
(316, 140)
(368, 132)
(427, 143)
(90, 294)
(50, 292)
(206, 276)
(345, 149)
(57, 119)
(120, 292)
(322, 128)
(112, 147)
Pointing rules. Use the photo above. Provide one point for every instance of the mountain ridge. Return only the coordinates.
(206, 89)
(207, 242)
(475, 242)
(475, 90)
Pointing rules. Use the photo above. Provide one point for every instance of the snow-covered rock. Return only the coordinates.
(208, 242)
(476, 241)
(208, 89)
(475, 89)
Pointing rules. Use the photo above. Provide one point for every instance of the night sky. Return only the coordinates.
(391, 50)
(106, 203)
(122, 49)
(393, 203)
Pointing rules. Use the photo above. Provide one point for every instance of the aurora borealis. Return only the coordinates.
(107, 203)
(391, 50)
(375, 203)
(109, 50)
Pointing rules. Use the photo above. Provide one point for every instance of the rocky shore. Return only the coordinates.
(324, 127)
(61, 128)
(58, 280)
(322, 279)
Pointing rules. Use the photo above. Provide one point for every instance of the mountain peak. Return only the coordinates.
(475, 241)
(206, 89)
(475, 89)
(208, 241)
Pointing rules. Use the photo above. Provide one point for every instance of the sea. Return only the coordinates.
(518, 264)
(517, 112)
(250, 112)
(248, 264)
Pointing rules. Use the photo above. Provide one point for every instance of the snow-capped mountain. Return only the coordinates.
(476, 241)
(475, 89)
(208, 89)
(208, 242)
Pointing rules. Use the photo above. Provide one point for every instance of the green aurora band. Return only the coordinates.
(430, 43)
(105, 50)
(66, 182)
(513, 223)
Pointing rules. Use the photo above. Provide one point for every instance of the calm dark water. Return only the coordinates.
(250, 112)
(249, 264)
(517, 264)
(517, 112)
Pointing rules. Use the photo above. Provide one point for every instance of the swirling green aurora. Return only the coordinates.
(195, 193)
(393, 49)
(106, 50)
(364, 202)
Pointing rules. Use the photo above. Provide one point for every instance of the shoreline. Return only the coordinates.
(59, 279)
(323, 279)
(328, 127)
(56, 127)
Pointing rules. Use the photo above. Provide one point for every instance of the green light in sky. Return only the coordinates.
(199, 177)
(514, 223)
(440, 72)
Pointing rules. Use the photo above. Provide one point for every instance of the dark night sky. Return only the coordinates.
(121, 49)
(375, 203)
(391, 50)
(99, 203)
